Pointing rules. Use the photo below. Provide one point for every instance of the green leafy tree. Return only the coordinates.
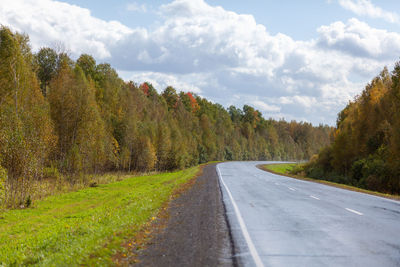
(171, 97)
(88, 64)
(46, 61)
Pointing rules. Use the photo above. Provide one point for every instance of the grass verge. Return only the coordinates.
(283, 168)
(87, 227)
(286, 168)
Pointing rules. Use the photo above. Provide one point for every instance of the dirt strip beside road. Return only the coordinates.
(196, 233)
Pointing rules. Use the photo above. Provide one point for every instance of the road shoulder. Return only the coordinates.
(196, 232)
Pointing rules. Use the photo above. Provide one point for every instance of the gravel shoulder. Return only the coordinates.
(196, 232)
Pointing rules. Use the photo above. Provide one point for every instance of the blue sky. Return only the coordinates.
(299, 19)
(301, 60)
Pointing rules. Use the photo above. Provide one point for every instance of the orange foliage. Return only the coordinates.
(257, 117)
(145, 88)
(193, 102)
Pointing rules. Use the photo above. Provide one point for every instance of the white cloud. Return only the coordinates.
(366, 8)
(161, 80)
(264, 106)
(221, 55)
(48, 22)
(135, 7)
(359, 39)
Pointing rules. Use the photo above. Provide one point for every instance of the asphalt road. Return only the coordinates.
(280, 221)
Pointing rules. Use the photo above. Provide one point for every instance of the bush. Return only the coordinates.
(93, 184)
(374, 166)
(3, 178)
(337, 178)
(28, 202)
(297, 169)
(320, 164)
(315, 172)
(374, 174)
(228, 155)
(357, 169)
(51, 173)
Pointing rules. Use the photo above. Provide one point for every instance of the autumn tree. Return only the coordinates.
(80, 117)
(171, 97)
(81, 130)
(365, 150)
(26, 133)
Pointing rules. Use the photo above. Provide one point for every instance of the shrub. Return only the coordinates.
(3, 177)
(28, 202)
(228, 155)
(315, 172)
(357, 169)
(374, 166)
(374, 174)
(51, 173)
(297, 169)
(93, 184)
(337, 178)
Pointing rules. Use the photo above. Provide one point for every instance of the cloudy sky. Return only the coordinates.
(301, 60)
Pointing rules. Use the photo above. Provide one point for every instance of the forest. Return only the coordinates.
(65, 119)
(365, 151)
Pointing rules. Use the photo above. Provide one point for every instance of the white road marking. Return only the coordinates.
(252, 248)
(354, 211)
(314, 197)
(292, 189)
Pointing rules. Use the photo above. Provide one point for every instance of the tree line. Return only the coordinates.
(78, 117)
(366, 147)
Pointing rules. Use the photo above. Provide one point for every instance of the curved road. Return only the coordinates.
(280, 221)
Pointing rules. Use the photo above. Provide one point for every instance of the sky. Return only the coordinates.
(296, 60)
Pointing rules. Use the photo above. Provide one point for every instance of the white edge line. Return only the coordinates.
(291, 189)
(250, 244)
(314, 197)
(354, 211)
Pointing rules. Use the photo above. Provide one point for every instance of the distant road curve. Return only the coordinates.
(280, 221)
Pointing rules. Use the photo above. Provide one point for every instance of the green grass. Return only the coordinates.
(283, 168)
(85, 227)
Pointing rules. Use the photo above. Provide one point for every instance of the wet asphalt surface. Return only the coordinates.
(298, 223)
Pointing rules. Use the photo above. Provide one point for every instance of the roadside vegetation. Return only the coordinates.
(365, 151)
(281, 168)
(89, 226)
(297, 171)
(64, 121)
